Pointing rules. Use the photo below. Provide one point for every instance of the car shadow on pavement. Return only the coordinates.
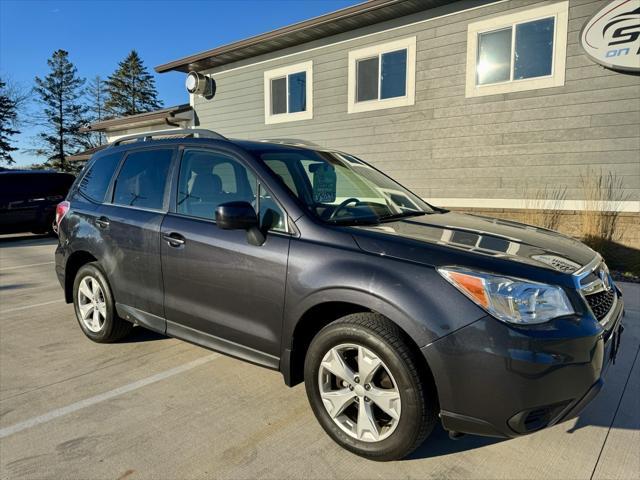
(15, 286)
(439, 444)
(139, 334)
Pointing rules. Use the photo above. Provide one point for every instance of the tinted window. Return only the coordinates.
(96, 180)
(394, 74)
(494, 57)
(208, 179)
(367, 82)
(29, 186)
(534, 49)
(142, 179)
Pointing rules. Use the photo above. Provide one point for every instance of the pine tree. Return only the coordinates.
(131, 89)
(8, 117)
(96, 99)
(60, 93)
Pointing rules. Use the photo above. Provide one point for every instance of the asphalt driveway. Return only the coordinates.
(155, 407)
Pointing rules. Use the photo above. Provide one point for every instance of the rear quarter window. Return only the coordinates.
(95, 181)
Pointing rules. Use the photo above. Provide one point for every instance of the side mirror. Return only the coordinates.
(236, 216)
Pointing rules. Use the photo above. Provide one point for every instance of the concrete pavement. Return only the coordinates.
(154, 407)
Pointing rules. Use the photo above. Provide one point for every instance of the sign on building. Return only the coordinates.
(612, 36)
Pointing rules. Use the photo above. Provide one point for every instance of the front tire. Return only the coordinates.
(95, 308)
(367, 388)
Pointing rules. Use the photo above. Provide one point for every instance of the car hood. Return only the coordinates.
(474, 235)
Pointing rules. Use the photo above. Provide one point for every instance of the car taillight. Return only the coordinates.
(61, 210)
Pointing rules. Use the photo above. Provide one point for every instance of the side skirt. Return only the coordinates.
(139, 317)
(223, 346)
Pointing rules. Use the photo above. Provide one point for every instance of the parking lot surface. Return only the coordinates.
(155, 407)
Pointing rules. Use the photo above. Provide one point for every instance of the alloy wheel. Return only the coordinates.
(359, 392)
(92, 307)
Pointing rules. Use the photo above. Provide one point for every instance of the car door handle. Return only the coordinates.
(102, 222)
(174, 239)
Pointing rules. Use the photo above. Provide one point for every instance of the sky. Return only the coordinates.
(98, 34)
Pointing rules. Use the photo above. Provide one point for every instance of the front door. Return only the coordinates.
(219, 289)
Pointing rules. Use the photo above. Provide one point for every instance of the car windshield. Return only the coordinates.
(339, 188)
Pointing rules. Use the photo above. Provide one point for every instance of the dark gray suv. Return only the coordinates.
(310, 261)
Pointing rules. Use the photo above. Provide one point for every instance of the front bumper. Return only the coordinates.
(502, 380)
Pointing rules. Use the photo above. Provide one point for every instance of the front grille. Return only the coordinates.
(601, 302)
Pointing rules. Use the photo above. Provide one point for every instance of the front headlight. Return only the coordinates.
(508, 299)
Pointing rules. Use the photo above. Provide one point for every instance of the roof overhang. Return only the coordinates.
(167, 116)
(86, 155)
(346, 19)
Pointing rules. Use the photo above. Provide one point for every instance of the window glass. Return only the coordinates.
(298, 92)
(367, 79)
(394, 74)
(227, 175)
(208, 179)
(279, 95)
(142, 179)
(534, 49)
(272, 217)
(494, 57)
(96, 180)
(281, 169)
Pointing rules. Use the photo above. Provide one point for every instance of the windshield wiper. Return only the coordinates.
(355, 221)
(396, 216)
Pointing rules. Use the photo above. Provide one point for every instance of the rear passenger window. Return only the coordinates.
(95, 181)
(142, 179)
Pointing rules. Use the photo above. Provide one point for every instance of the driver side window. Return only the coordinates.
(208, 179)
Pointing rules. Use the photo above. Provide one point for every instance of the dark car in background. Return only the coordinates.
(28, 199)
(395, 313)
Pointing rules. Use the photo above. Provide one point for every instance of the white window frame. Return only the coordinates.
(269, 75)
(560, 11)
(409, 98)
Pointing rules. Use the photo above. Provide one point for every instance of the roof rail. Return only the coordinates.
(290, 141)
(148, 136)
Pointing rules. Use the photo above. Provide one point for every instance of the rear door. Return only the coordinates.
(216, 283)
(130, 223)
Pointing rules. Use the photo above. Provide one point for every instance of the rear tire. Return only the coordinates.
(95, 308)
(388, 392)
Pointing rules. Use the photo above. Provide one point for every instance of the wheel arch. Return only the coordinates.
(328, 308)
(75, 262)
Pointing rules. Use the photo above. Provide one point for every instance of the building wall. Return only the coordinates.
(447, 147)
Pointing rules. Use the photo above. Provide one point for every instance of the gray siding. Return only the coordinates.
(499, 146)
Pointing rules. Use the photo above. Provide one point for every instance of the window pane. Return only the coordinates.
(534, 49)
(227, 175)
(367, 82)
(278, 96)
(494, 57)
(281, 169)
(142, 179)
(272, 217)
(95, 182)
(298, 92)
(394, 74)
(208, 179)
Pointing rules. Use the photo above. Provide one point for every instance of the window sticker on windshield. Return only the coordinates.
(324, 184)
